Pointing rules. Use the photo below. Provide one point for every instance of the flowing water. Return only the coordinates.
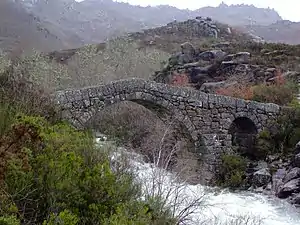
(217, 205)
(212, 206)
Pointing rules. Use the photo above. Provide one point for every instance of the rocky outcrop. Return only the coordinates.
(198, 27)
(284, 181)
(207, 68)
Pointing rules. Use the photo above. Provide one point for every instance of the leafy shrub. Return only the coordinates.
(55, 173)
(286, 136)
(281, 94)
(232, 171)
(264, 145)
(9, 220)
(283, 137)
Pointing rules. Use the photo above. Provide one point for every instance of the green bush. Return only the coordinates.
(54, 174)
(232, 171)
(287, 132)
(9, 220)
(264, 145)
(281, 94)
(284, 135)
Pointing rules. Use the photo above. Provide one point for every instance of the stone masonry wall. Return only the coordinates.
(206, 117)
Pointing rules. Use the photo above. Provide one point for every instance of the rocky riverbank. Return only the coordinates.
(277, 176)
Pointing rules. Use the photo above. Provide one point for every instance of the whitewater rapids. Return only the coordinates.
(211, 206)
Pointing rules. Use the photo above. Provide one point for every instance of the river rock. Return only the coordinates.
(215, 65)
(296, 199)
(289, 188)
(277, 179)
(261, 177)
(297, 148)
(296, 161)
(292, 174)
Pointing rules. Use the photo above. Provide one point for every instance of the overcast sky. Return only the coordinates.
(288, 9)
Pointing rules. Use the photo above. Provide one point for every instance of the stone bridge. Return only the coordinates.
(211, 121)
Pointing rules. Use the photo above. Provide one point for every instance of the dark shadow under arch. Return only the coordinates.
(243, 132)
(179, 137)
(165, 114)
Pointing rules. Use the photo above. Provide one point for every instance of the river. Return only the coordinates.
(211, 206)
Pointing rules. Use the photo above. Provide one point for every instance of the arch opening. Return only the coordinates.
(243, 133)
(152, 130)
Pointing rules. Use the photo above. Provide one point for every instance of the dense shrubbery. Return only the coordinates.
(281, 92)
(232, 171)
(53, 172)
(285, 135)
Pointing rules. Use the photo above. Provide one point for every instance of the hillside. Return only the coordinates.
(241, 14)
(95, 21)
(21, 29)
(70, 24)
(283, 31)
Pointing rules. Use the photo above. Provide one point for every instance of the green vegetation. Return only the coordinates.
(275, 55)
(264, 145)
(51, 173)
(280, 93)
(232, 171)
(283, 138)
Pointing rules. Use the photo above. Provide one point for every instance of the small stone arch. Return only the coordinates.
(243, 133)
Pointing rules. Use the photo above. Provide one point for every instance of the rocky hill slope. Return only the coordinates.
(283, 31)
(70, 24)
(24, 30)
(89, 17)
(211, 54)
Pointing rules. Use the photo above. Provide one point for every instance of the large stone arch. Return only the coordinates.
(82, 105)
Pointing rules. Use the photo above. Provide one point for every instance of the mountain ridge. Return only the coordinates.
(73, 24)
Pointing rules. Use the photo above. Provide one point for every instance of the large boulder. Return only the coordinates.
(210, 55)
(261, 177)
(289, 188)
(188, 49)
(292, 174)
(295, 199)
(296, 161)
(277, 179)
(240, 57)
